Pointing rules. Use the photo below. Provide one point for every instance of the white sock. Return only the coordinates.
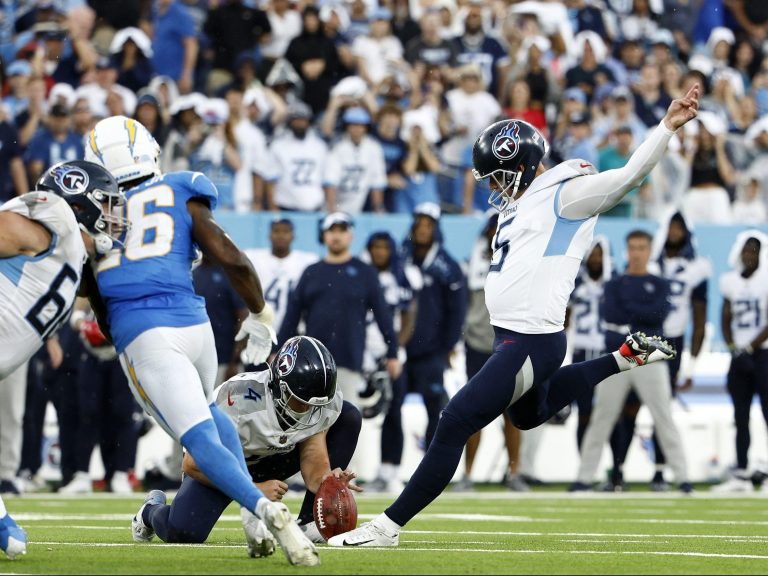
(624, 363)
(3, 511)
(261, 505)
(389, 525)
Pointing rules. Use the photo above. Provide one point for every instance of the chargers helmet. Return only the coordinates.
(124, 147)
(305, 370)
(498, 153)
(94, 197)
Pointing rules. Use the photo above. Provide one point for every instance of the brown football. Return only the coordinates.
(335, 509)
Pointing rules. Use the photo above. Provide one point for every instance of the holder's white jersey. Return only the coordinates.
(247, 401)
(37, 292)
(536, 256)
(279, 276)
(749, 304)
(684, 276)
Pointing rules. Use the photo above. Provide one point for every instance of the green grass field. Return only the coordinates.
(491, 532)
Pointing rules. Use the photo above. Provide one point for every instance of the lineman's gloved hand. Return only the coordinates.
(261, 335)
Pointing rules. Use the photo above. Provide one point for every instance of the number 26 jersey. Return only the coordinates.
(147, 282)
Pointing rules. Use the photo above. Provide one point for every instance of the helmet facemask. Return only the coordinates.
(507, 185)
(291, 419)
(110, 227)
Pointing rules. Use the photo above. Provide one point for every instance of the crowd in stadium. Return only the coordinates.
(367, 106)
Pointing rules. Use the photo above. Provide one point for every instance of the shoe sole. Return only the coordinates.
(296, 546)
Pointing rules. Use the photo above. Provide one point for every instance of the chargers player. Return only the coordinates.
(290, 418)
(545, 227)
(45, 238)
(160, 327)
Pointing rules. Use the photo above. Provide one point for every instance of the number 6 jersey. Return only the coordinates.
(147, 282)
(37, 292)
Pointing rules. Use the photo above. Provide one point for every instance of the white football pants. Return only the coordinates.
(13, 393)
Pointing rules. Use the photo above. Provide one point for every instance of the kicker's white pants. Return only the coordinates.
(651, 382)
(171, 372)
(13, 393)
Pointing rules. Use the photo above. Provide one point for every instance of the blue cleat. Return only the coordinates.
(13, 539)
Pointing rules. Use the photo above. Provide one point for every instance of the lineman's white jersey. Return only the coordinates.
(536, 256)
(247, 401)
(297, 169)
(37, 292)
(684, 276)
(749, 304)
(355, 171)
(279, 276)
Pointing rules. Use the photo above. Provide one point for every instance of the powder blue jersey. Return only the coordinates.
(147, 282)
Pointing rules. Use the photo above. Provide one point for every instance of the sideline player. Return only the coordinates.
(45, 238)
(545, 227)
(160, 327)
(290, 418)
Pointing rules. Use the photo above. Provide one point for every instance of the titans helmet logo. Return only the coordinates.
(507, 142)
(70, 179)
(287, 359)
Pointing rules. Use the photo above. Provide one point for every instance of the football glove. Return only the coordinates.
(261, 335)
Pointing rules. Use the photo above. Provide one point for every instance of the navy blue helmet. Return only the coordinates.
(509, 151)
(304, 370)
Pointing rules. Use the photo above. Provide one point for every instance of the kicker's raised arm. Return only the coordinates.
(587, 196)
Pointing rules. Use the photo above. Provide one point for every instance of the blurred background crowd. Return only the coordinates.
(363, 106)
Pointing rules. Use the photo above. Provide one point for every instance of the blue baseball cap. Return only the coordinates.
(575, 94)
(356, 115)
(19, 68)
(381, 13)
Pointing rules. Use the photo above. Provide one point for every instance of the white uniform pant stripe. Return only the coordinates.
(171, 372)
(13, 393)
(523, 380)
(651, 383)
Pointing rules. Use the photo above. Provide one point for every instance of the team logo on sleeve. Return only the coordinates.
(507, 142)
(287, 359)
(71, 180)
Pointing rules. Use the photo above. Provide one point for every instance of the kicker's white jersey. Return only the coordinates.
(684, 276)
(297, 169)
(586, 331)
(536, 256)
(355, 171)
(248, 402)
(37, 292)
(279, 276)
(749, 304)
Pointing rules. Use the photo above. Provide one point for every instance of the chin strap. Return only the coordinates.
(103, 243)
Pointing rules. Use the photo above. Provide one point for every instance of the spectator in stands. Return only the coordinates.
(82, 118)
(474, 46)
(441, 309)
(745, 292)
(53, 62)
(532, 67)
(578, 142)
(333, 297)
(379, 51)
(587, 16)
(671, 79)
(430, 48)
(621, 112)
(298, 158)
(131, 51)
(13, 176)
(420, 167)
(749, 207)
(234, 28)
(316, 59)
(707, 200)
(149, 114)
(54, 143)
(589, 71)
(335, 21)
(719, 45)
(388, 124)
(746, 59)
(186, 133)
(16, 102)
(175, 46)
(285, 24)
(403, 24)
(356, 168)
(520, 106)
(751, 17)
(650, 99)
(616, 155)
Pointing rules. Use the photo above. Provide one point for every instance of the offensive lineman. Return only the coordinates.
(545, 227)
(160, 327)
(45, 238)
(290, 418)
